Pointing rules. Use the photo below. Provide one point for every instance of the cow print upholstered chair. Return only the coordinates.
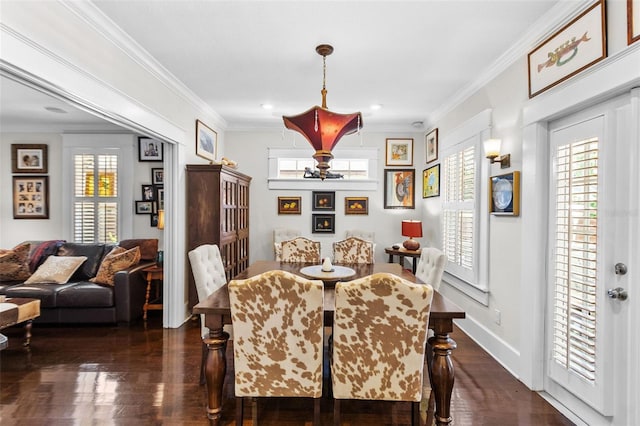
(278, 338)
(431, 266)
(301, 249)
(209, 275)
(379, 337)
(353, 250)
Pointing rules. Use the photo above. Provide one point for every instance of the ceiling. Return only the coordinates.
(411, 57)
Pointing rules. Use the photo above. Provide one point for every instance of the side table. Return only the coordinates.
(402, 253)
(154, 272)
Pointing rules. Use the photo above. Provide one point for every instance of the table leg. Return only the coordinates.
(215, 369)
(441, 370)
(145, 308)
(415, 264)
(27, 333)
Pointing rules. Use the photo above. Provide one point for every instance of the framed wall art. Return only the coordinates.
(144, 207)
(31, 197)
(431, 182)
(504, 194)
(159, 195)
(29, 158)
(399, 188)
(150, 149)
(206, 142)
(356, 205)
(324, 200)
(399, 152)
(157, 176)
(148, 193)
(578, 45)
(323, 223)
(289, 205)
(431, 146)
(633, 21)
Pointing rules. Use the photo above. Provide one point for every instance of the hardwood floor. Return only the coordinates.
(135, 376)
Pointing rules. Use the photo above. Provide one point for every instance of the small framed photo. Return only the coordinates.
(148, 194)
(157, 176)
(505, 194)
(399, 152)
(144, 207)
(323, 223)
(399, 188)
(31, 197)
(324, 200)
(431, 146)
(153, 220)
(574, 48)
(29, 158)
(289, 205)
(356, 205)
(206, 141)
(431, 182)
(150, 149)
(159, 196)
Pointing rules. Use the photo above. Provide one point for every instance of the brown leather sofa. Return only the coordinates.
(80, 300)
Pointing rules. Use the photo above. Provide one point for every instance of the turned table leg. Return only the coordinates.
(441, 371)
(27, 333)
(215, 370)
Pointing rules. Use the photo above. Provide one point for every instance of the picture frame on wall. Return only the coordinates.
(575, 47)
(159, 196)
(148, 192)
(431, 182)
(324, 200)
(289, 205)
(29, 158)
(399, 152)
(144, 207)
(151, 150)
(157, 176)
(399, 188)
(30, 197)
(323, 223)
(504, 191)
(431, 146)
(206, 142)
(633, 21)
(356, 205)
(153, 220)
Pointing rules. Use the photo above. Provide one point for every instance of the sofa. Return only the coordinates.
(79, 283)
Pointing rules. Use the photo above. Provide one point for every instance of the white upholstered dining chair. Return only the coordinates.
(280, 235)
(209, 275)
(379, 338)
(431, 266)
(278, 348)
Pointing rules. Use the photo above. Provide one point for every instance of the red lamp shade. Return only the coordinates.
(411, 229)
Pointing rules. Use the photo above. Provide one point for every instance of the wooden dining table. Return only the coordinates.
(217, 312)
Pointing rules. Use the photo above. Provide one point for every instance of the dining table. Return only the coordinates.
(217, 312)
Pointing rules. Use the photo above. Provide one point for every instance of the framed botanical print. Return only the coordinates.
(31, 197)
(399, 188)
(399, 152)
(29, 158)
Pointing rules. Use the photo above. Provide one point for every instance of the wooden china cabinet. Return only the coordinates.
(218, 213)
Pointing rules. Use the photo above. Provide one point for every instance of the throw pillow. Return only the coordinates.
(40, 250)
(117, 260)
(56, 269)
(14, 263)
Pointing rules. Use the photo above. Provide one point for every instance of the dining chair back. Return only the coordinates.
(431, 266)
(301, 249)
(379, 336)
(278, 324)
(209, 275)
(365, 235)
(353, 250)
(280, 235)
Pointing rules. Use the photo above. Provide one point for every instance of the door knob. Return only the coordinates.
(617, 293)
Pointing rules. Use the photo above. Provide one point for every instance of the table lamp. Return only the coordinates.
(411, 229)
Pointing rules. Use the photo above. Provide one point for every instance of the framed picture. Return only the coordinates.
(399, 152)
(324, 200)
(148, 194)
(29, 158)
(159, 196)
(578, 45)
(399, 188)
(633, 21)
(356, 205)
(504, 191)
(144, 207)
(206, 141)
(153, 220)
(431, 182)
(31, 197)
(157, 176)
(323, 223)
(289, 205)
(431, 146)
(150, 149)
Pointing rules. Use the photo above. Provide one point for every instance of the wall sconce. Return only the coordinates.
(492, 152)
(160, 219)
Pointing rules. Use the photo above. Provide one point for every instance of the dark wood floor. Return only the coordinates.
(135, 376)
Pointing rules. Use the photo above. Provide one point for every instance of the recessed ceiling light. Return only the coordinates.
(56, 110)
(417, 124)
(267, 106)
(376, 106)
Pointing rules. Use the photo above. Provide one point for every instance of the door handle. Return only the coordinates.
(617, 293)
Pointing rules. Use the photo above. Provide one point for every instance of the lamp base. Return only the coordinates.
(411, 244)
